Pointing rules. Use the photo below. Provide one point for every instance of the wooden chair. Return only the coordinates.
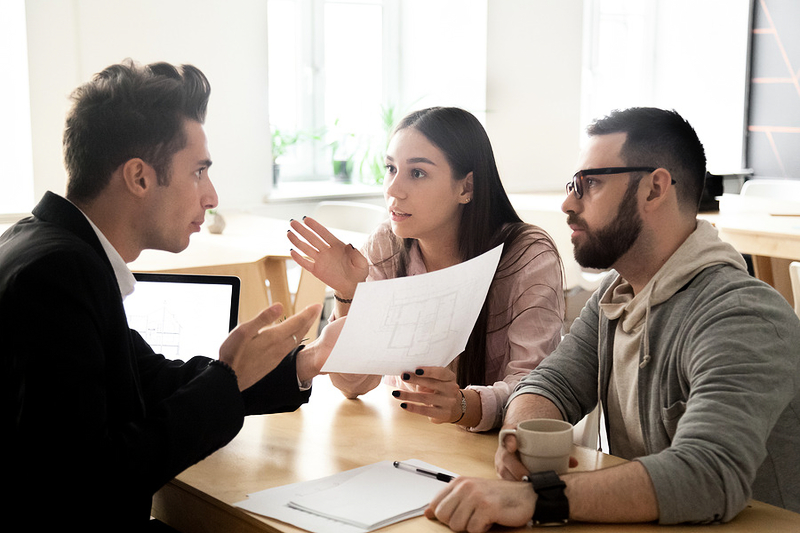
(351, 216)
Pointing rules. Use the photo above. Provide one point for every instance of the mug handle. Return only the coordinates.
(504, 432)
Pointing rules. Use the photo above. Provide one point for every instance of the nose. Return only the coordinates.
(571, 204)
(393, 187)
(209, 199)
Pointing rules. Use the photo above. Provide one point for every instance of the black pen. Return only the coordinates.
(411, 468)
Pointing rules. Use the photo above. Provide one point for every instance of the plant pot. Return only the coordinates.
(342, 170)
(215, 223)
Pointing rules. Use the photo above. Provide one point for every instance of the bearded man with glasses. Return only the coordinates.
(693, 361)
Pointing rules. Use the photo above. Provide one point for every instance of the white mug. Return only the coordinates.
(543, 444)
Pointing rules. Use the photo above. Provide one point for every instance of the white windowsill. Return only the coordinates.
(321, 190)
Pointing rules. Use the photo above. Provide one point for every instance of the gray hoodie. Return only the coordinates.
(718, 383)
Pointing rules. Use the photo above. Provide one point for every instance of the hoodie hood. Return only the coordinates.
(700, 250)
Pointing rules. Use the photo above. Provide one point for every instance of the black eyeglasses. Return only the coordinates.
(576, 185)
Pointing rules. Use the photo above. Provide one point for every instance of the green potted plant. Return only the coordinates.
(372, 166)
(342, 153)
(281, 141)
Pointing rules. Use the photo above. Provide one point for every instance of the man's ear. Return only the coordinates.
(466, 189)
(138, 176)
(659, 184)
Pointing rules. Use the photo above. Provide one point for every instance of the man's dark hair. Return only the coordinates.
(130, 111)
(660, 138)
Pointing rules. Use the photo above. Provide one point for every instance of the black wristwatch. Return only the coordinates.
(552, 506)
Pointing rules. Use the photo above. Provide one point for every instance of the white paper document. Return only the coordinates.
(355, 501)
(396, 325)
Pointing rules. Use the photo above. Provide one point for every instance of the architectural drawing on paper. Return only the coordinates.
(418, 326)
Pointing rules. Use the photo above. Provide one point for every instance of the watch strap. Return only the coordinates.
(552, 506)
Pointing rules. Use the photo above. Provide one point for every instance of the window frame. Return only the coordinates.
(310, 78)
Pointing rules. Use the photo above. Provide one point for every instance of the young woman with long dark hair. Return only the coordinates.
(447, 205)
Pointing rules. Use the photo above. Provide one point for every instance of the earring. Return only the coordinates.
(468, 200)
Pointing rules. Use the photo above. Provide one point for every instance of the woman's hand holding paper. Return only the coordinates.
(436, 395)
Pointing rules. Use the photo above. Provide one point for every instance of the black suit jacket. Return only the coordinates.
(93, 421)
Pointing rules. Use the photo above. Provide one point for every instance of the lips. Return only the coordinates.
(397, 215)
(575, 226)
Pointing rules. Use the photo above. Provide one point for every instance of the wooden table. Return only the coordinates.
(253, 248)
(773, 241)
(331, 434)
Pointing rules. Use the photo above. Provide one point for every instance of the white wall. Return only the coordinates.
(16, 180)
(70, 41)
(533, 91)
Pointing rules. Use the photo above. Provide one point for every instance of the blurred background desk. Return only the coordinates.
(255, 249)
(773, 241)
(331, 434)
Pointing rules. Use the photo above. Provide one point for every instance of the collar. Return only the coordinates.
(125, 278)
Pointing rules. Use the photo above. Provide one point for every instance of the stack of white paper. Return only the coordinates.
(359, 500)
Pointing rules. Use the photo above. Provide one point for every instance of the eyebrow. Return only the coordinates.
(413, 160)
(205, 163)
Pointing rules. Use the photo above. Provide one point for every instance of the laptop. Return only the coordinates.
(183, 315)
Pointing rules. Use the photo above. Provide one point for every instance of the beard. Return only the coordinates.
(603, 247)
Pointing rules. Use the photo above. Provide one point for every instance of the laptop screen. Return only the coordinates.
(183, 315)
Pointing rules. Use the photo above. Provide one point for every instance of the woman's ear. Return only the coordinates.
(466, 189)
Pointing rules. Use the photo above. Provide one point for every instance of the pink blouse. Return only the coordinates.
(526, 315)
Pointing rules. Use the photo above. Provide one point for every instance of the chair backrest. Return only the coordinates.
(780, 189)
(351, 216)
(764, 195)
(794, 274)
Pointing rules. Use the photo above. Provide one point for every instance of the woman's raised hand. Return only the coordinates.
(338, 265)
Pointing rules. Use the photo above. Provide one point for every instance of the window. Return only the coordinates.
(16, 180)
(332, 78)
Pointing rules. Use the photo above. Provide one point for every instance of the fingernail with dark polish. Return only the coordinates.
(396, 393)
(403, 405)
(406, 376)
(419, 371)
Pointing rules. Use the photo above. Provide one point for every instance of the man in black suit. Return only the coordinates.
(93, 421)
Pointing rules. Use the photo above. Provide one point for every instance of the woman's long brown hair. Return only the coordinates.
(487, 220)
